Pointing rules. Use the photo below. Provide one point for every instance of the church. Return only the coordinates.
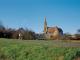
(52, 33)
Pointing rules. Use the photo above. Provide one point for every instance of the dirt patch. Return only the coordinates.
(61, 58)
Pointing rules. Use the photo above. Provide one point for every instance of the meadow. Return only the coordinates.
(13, 49)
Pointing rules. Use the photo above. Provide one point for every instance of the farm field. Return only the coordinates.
(12, 49)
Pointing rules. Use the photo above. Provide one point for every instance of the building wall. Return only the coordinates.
(56, 35)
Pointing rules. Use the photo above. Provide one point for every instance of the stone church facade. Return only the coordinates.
(53, 33)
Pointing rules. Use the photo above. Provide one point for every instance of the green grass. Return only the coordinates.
(12, 49)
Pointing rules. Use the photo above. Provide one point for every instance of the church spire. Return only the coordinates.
(45, 22)
(45, 25)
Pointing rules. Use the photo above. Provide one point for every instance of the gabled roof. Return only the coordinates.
(52, 29)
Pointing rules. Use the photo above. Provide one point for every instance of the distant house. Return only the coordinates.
(20, 33)
(54, 33)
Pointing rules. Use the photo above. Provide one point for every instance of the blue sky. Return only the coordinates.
(30, 14)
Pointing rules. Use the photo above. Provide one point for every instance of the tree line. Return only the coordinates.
(26, 34)
(14, 33)
(68, 36)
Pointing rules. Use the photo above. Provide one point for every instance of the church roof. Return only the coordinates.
(52, 29)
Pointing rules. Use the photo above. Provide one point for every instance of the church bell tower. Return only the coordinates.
(45, 25)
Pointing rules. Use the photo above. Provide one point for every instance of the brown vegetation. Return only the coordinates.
(14, 34)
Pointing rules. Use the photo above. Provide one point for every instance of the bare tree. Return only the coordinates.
(1, 26)
(78, 31)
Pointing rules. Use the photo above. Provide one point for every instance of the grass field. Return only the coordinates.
(11, 49)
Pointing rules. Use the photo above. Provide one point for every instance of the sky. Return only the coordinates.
(30, 14)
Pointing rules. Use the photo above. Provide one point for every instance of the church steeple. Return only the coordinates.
(45, 25)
